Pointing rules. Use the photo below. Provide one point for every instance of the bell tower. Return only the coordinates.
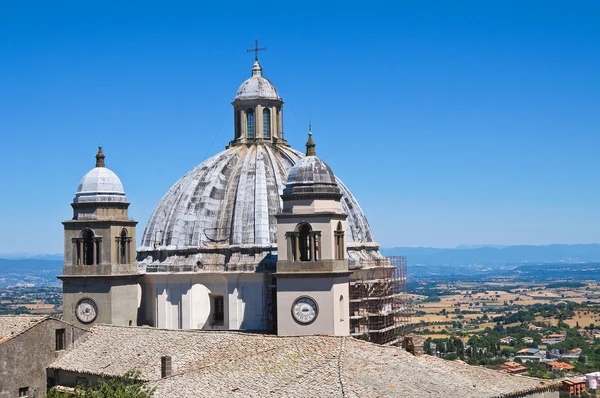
(312, 268)
(100, 272)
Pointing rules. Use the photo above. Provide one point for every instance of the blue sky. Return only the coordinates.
(453, 123)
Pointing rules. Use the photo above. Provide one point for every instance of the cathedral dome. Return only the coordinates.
(257, 87)
(223, 210)
(100, 185)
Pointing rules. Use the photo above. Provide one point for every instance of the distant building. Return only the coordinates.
(574, 386)
(593, 380)
(568, 356)
(512, 368)
(554, 339)
(560, 366)
(530, 355)
(527, 340)
(506, 340)
(28, 344)
(531, 326)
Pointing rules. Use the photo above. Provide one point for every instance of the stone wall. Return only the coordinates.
(24, 358)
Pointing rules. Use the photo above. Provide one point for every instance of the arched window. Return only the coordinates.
(89, 248)
(339, 242)
(250, 122)
(267, 123)
(305, 242)
(123, 248)
(341, 309)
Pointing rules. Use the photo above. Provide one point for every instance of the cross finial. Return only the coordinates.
(256, 49)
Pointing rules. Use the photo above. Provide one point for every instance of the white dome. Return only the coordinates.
(100, 185)
(257, 86)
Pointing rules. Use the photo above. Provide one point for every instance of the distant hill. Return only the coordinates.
(33, 265)
(31, 272)
(497, 255)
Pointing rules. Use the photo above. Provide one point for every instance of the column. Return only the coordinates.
(318, 255)
(98, 244)
(128, 251)
(274, 123)
(243, 125)
(290, 255)
(280, 122)
(94, 261)
(297, 244)
(258, 122)
(74, 252)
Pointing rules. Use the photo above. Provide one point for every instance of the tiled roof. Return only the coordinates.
(561, 365)
(248, 365)
(12, 325)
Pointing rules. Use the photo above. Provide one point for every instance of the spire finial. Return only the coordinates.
(100, 158)
(310, 144)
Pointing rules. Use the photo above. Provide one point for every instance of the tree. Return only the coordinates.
(127, 386)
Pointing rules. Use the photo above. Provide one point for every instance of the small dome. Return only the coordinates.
(311, 175)
(257, 86)
(311, 171)
(100, 185)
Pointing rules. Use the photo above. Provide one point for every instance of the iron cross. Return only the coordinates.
(256, 49)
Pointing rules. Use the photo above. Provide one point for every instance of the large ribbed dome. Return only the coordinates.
(223, 211)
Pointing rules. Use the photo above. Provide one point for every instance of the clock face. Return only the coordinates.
(86, 310)
(305, 310)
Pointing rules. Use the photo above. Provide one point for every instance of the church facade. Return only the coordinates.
(258, 237)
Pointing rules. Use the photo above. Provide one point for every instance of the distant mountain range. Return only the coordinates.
(497, 255)
(31, 266)
(29, 272)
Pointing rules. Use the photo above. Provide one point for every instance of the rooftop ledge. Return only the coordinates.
(284, 267)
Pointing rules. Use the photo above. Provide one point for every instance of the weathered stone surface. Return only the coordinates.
(223, 211)
(218, 364)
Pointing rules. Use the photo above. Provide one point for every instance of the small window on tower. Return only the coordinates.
(267, 123)
(88, 247)
(250, 122)
(24, 392)
(124, 248)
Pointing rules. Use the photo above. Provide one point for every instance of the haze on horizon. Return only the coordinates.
(452, 124)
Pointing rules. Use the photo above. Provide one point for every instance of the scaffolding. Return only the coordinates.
(379, 307)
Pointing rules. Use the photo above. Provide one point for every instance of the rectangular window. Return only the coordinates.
(24, 392)
(218, 314)
(60, 339)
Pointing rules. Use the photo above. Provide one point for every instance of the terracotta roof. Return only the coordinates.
(561, 365)
(12, 325)
(247, 365)
(574, 381)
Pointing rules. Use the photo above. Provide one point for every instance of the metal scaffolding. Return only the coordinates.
(379, 308)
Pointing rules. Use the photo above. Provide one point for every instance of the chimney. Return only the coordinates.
(165, 366)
